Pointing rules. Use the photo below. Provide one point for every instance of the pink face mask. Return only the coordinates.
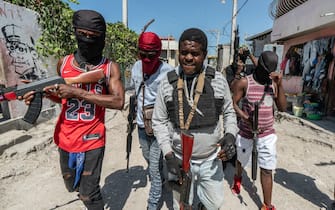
(150, 47)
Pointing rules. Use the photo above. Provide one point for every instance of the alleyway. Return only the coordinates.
(30, 176)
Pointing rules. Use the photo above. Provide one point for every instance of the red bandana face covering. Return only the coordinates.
(150, 47)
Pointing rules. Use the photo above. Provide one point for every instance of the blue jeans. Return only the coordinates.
(153, 155)
(208, 179)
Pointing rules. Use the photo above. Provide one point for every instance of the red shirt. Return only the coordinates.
(81, 125)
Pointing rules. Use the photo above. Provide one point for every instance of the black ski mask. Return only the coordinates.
(89, 48)
(267, 63)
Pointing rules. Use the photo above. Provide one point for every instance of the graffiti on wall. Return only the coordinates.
(19, 60)
(19, 30)
(21, 49)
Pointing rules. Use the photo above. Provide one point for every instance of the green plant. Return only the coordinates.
(54, 17)
(57, 39)
(121, 44)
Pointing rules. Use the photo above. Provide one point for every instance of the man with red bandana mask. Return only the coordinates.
(150, 46)
(146, 75)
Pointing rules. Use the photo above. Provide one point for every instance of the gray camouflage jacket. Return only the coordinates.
(205, 139)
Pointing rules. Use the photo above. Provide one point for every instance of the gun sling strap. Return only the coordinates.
(266, 89)
(198, 92)
(256, 105)
(147, 111)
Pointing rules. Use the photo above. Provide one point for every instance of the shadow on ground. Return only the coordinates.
(119, 185)
(303, 186)
(327, 123)
(65, 204)
(247, 185)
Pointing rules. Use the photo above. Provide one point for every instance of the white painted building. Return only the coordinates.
(170, 50)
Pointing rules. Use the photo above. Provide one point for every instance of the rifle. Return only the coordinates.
(147, 25)
(34, 109)
(236, 49)
(187, 146)
(254, 148)
(131, 126)
(132, 111)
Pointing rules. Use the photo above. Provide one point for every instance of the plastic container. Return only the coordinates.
(313, 116)
(299, 100)
(311, 105)
(298, 110)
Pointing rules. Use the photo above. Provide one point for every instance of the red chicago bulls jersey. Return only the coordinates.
(81, 125)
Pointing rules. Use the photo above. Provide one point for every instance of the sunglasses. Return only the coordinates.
(147, 54)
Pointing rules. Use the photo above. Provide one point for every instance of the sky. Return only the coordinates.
(172, 17)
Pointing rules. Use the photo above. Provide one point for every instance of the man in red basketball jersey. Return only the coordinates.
(80, 130)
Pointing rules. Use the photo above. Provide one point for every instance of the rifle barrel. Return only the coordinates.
(254, 146)
(130, 127)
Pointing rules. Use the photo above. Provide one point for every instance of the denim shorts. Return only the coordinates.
(266, 147)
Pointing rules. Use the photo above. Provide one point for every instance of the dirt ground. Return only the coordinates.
(30, 176)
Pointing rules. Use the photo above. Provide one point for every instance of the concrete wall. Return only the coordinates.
(312, 15)
(170, 51)
(18, 56)
(225, 56)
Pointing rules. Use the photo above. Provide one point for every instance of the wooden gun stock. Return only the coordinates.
(87, 77)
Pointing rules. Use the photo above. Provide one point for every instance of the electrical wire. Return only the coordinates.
(239, 9)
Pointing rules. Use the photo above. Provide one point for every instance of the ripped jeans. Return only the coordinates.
(153, 155)
(89, 188)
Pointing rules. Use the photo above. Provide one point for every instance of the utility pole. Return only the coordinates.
(168, 53)
(125, 13)
(233, 30)
(216, 34)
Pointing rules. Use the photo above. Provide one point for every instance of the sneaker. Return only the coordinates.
(237, 185)
(271, 207)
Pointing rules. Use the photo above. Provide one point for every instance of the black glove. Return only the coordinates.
(244, 55)
(173, 165)
(246, 52)
(228, 145)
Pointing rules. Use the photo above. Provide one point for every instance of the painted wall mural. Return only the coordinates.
(18, 56)
(21, 49)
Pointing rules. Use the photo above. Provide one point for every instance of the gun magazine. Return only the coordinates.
(34, 109)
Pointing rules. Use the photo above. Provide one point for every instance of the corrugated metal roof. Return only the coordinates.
(311, 16)
(250, 38)
(281, 7)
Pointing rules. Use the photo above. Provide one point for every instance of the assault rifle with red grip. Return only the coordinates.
(34, 109)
